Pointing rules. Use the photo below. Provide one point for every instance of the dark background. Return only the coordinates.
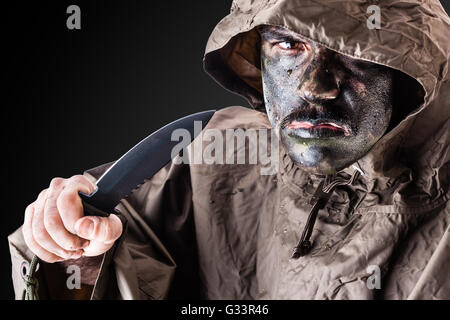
(74, 99)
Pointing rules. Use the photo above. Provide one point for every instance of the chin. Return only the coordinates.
(315, 159)
(321, 168)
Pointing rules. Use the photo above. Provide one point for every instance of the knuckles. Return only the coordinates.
(76, 179)
(56, 183)
(68, 198)
(79, 180)
(41, 196)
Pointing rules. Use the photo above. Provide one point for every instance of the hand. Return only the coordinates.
(55, 228)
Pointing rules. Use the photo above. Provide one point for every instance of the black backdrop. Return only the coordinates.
(76, 99)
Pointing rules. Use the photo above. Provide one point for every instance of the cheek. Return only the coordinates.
(377, 108)
(274, 113)
(277, 100)
(277, 88)
(272, 109)
(281, 73)
(280, 85)
(358, 87)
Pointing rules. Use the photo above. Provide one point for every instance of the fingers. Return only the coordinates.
(45, 231)
(96, 248)
(55, 228)
(31, 243)
(102, 232)
(39, 233)
(62, 209)
(69, 203)
(102, 229)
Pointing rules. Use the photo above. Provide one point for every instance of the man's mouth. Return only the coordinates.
(317, 129)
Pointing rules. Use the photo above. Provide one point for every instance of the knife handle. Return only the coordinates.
(89, 209)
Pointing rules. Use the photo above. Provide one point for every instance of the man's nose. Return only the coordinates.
(319, 83)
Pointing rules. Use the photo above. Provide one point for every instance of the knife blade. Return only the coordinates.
(141, 163)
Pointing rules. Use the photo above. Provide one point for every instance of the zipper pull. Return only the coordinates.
(319, 200)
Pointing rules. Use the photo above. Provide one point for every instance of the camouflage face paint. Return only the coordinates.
(328, 109)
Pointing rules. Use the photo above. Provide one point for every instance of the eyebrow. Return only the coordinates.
(272, 32)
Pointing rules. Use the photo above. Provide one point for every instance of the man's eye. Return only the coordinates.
(289, 45)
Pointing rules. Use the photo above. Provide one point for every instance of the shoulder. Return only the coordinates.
(238, 117)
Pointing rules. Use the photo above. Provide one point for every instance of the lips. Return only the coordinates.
(317, 128)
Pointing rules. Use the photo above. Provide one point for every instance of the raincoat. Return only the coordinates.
(225, 231)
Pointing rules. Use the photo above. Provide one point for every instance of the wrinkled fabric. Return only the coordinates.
(224, 231)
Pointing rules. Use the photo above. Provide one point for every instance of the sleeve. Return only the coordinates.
(156, 256)
(434, 282)
(21, 258)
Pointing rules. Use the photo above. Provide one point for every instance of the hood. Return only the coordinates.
(413, 39)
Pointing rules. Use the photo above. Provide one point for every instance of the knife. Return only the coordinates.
(141, 163)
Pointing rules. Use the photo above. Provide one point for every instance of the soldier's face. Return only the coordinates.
(328, 109)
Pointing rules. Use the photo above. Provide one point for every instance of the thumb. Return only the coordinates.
(99, 229)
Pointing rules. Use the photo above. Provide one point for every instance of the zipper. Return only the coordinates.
(318, 202)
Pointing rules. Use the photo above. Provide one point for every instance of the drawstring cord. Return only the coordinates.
(319, 200)
(31, 284)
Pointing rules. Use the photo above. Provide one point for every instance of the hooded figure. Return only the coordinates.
(220, 231)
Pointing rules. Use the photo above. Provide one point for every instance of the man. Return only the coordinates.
(361, 193)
